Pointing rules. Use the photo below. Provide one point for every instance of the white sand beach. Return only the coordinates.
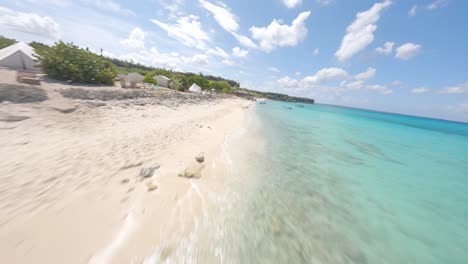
(70, 190)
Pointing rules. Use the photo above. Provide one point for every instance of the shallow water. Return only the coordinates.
(340, 185)
(326, 184)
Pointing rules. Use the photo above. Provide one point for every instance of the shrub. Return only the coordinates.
(65, 61)
(149, 78)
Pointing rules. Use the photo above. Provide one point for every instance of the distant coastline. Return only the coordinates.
(250, 94)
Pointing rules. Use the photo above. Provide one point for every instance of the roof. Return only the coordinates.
(163, 77)
(20, 46)
(195, 87)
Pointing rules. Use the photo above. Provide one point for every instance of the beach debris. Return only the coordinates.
(125, 181)
(148, 172)
(130, 165)
(200, 157)
(193, 171)
(151, 186)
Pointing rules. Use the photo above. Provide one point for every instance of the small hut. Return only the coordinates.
(19, 56)
(163, 81)
(195, 88)
(135, 79)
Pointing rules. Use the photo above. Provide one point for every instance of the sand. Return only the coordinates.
(69, 185)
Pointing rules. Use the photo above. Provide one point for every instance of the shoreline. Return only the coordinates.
(70, 191)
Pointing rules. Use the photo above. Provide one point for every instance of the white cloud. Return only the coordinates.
(315, 81)
(437, 4)
(420, 90)
(386, 49)
(407, 51)
(188, 30)
(238, 52)
(109, 5)
(217, 51)
(274, 69)
(228, 62)
(245, 41)
(279, 35)
(397, 83)
(172, 60)
(325, 2)
(379, 88)
(458, 89)
(292, 3)
(413, 10)
(30, 23)
(223, 15)
(136, 39)
(174, 7)
(368, 74)
(228, 21)
(316, 52)
(361, 32)
(297, 73)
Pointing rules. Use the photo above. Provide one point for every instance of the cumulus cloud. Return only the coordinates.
(30, 23)
(437, 4)
(292, 3)
(228, 62)
(188, 30)
(407, 51)
(321, 77)
(379, 88)
(228, 21)
(361, 32)
(172, 60)
(136, 39)
(386, 49)
(368, 74)
(238, 52)
(279, 35)
(458, 89)
(420, 90)
(412, 11)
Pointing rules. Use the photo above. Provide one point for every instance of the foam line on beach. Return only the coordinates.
(129, 226)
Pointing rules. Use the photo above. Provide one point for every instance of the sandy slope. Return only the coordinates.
(69, 191)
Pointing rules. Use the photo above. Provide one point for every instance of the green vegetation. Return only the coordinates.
(65, 61)
(5, 42)
(149, 78)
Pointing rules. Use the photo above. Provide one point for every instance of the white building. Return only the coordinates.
(195, 88)
(162, 81)
(19, 56)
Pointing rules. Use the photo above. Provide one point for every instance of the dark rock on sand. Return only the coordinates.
(148, 172)
(200, 157)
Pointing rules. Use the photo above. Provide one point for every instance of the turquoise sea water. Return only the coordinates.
(341, 185)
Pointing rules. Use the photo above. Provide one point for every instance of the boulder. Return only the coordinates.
(151, 186)
(193, 171)
(200, 157)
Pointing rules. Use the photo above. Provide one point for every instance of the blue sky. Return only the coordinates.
(392, 55)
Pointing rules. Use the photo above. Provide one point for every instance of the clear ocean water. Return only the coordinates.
(342, 185)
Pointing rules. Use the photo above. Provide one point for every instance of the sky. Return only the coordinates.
(403, 56)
